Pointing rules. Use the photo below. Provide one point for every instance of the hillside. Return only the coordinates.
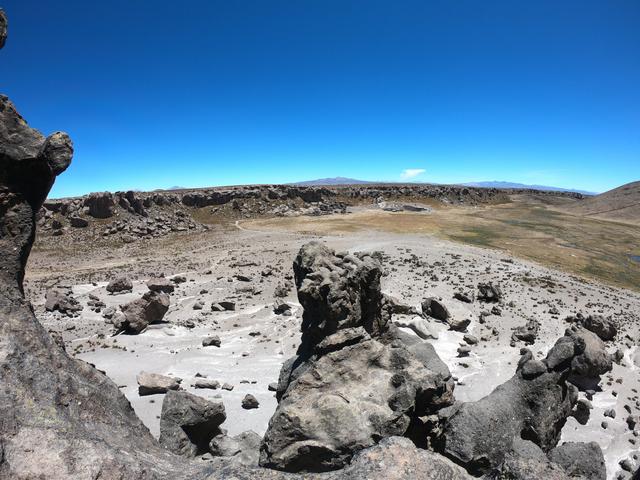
(621, 204)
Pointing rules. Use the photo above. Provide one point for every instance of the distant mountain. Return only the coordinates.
(333, 181)
(496, 184)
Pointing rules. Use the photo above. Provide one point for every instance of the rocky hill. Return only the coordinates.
(621, 204)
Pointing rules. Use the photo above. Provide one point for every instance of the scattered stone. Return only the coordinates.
(153, 383)
(120, 285)
(211, 341)
(249, 402)
(160, 285)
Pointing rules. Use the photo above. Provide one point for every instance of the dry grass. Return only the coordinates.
(588, 247)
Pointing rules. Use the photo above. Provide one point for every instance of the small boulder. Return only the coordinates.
(488, 292)
(160, 285)
(119, 285)
(78, 222)
(211, 341)
(249, 402)
(433, 307)
(153, 383)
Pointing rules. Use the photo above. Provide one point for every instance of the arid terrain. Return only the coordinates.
(287, 332)
(549, 264)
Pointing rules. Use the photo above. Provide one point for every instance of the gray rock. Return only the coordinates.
(527, 333)
(249, 402)
(488, 292)
(160, 285)
(100, 204)
(53, 403)
(601, 326)
(211, 341)
(154, 383)
(580, 460)
(207, 383)
(243, 448)
(61, 300)
(188, 423)
(435, 308)
(280, 307)
(336, 292)
(354, 381)
(534, 405)
(139, 314)
(119, 285)
(3, 28)
(78, 222)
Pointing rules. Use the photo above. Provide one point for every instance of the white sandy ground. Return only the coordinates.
(172, 349)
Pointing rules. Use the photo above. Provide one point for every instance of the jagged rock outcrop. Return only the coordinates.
(100, 205)
(61, 418)
(354, 381)
(533, 405)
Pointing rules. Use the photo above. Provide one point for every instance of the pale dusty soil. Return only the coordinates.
(416, 266)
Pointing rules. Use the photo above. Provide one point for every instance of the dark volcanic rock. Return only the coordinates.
(435, 308)
(188, 423)
(534, 405)
(580, 460)
(78, 222)
(353, 382)
(488, 292)
(601, 326)
(119, 285)
(160, 285)
(101, 205)
(337, 292)
(62, 418)
(139, 314)
(61, 300)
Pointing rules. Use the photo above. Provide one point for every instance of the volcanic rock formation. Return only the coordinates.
(353, 381)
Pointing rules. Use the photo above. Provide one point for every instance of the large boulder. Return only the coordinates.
(188, 423)
(61, 418)
(580, 460)
(119, 285)
(353, 381)
(433, 307)
(61, 299)
(139, 314)
(100, 204)
(533, 405)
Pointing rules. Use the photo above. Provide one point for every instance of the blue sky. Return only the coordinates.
(199, 93)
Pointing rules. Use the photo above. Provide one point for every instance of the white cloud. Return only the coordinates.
(409, 173)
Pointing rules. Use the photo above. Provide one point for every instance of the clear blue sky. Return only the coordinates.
(198, 93)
